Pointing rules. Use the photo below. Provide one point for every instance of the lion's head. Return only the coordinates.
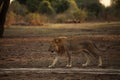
(56, 46)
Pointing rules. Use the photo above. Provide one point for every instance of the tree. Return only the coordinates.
(4, 4)
(46, 8)
(95, 8)
(60, 5)
(85, 3)
(18, 9)
(117, 4)
(32, 5)
(72, 14)
(114, 10)
(22, 1)
(79, 16)
(117, 8)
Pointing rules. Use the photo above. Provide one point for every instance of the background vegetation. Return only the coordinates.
(38, 12)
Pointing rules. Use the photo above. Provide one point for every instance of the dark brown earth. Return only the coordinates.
(55, 76)
(28, 48)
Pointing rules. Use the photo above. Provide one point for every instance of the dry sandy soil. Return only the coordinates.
(27, 47)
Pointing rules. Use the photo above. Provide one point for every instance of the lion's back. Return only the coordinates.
(73, 44)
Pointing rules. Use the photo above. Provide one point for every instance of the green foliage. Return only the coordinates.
(35, 19)
(117, 8)
(68, 16)
(79, 15)
(18, 8)
(72, 14)
(85, 3)
(117, 4)
(41, 6)
(33, 5)
(95, 8)
(46, 8)
(64, 10)
(60, 18)
(22, 1)
(73, 6)
(60, 5)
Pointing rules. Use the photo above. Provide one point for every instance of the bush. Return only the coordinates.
(72, 14)
(18, 8)
(36, 19)
(60, 5)
(46, 8)
(60, 18)
(32, 5)
(10, 19)
(79, 16)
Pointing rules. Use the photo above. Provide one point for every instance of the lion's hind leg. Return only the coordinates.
(100, 61)
(69, 62)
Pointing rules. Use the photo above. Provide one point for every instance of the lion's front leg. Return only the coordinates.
(87, 61)
(54, 62)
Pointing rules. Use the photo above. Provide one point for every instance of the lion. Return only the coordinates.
(65, 45)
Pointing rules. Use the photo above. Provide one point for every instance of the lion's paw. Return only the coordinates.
(84, 65)
(51, 66)
(99, 65)
(68, 65)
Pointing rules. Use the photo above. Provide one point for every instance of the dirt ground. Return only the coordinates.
(28, 48)
(54, 76)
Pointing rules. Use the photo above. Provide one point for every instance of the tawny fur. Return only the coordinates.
(64, 45)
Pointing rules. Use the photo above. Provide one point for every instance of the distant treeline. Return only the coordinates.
(38, 12)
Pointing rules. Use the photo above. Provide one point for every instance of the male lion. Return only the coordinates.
(64, 45)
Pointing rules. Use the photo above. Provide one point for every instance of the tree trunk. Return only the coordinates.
(4, 4)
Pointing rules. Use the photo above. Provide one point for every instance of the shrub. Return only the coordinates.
(60, 18)
(46, 8)
(79, 16)
(36, 19)
(60, 6)
(72, 14)
(10, 19)
(18, 8)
